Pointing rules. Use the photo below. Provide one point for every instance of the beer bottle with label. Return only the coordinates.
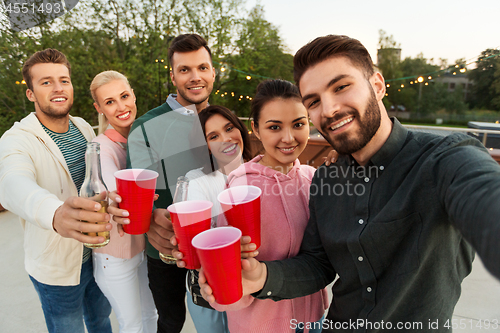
(93, 187)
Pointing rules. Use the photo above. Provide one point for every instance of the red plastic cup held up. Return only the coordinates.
(189, 218)
(241, 206)
(136, 187)
(219, 251)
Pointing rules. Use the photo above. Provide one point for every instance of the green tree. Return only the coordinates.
(388, 55)
(259, 51)
(486, 77)
(130, 35)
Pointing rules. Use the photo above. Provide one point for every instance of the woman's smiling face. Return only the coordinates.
(283, 129)
(224, 139)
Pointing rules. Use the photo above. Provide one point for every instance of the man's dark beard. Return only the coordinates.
(49, 112)
(346, 144)
(192, 101)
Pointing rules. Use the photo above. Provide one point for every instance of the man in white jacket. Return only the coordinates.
(42, 166)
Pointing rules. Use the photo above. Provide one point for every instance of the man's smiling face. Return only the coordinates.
(341, 103)
(193, 75)
(52, 90)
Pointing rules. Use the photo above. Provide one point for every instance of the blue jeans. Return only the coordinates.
(206, 320)
(65, 307)
(316, 327)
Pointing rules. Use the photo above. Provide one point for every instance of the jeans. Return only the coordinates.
(66, 307)
(124, 282)
(207, 320)
(168, 285)
(315, 327)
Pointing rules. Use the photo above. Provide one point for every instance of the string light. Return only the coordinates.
(462, 68)
(415, 79)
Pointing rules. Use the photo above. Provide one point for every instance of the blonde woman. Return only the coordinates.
(119, 267)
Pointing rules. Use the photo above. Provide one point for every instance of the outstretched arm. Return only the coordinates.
(468, 183)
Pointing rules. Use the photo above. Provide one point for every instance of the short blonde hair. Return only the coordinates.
(98, 81)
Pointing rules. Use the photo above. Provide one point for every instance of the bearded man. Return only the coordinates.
(402, 242)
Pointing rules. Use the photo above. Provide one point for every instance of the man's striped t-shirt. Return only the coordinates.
(72, 145)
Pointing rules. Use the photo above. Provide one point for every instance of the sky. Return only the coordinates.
(437, 28)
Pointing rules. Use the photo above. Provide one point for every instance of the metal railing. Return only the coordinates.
(435, 129)
(430, 129)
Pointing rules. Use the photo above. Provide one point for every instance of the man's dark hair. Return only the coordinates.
(46, 56)
(331, 46)
(187, 43)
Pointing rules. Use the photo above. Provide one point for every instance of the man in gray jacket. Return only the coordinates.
(42, 166)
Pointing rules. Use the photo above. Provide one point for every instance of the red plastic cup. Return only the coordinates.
(241, 206)
(136, 187)
(219, 251)
(189, 218)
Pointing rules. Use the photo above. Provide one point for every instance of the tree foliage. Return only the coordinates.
(260, 51)
(413, 95)
(486, 76)
(133, 37)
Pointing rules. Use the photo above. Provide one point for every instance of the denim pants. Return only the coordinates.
(207, 320)
(168, 285)
(66, 307)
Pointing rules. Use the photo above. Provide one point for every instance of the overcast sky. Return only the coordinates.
(437, 28)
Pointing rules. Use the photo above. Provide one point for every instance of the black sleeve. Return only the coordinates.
(305, 274)
(468, 184)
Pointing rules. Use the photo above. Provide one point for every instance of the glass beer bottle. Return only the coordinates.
(180, 194)
(93, 188)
